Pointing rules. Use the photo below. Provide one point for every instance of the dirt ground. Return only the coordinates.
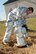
(10, 48)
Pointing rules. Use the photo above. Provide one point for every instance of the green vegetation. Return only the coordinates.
(31, 23)
(2, 28)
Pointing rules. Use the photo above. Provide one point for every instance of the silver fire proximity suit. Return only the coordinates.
(16, 20)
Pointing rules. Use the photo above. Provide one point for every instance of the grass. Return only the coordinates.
(31, 23)
(2, 28)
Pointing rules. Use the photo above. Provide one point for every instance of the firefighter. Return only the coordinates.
(17, 20)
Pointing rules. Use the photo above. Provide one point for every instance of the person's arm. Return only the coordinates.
(22, 12)
(10, 18)
(7, 19)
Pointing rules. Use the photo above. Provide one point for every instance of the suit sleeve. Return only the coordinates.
(10, 18)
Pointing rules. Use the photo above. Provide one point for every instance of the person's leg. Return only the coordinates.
(20, 41)
(8, 33)
(20, 37)
(25, 34)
